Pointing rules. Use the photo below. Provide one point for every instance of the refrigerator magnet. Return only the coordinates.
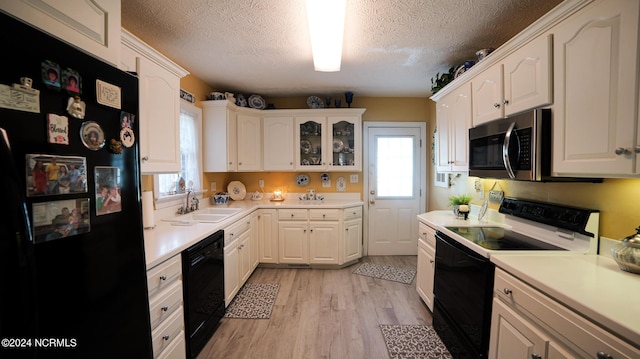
(115, 146)
(127, 137)
(76, 107)
(51, 75)
(58, 129)
(72, 81)
(92, 135)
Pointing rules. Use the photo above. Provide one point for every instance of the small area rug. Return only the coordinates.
(403, 275)
(413, 342)
(253, 301)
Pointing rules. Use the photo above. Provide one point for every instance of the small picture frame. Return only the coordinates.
(51, 75)
(55, 175)
(126, 119)
(72, 81)
(60, 219)
(108, 191)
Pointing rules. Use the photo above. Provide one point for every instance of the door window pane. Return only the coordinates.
(395, 166)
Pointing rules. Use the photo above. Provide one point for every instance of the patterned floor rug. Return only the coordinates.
(403, 275)
(413, 342)
(253, 301)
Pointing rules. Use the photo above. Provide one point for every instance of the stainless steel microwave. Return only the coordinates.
(517, 147)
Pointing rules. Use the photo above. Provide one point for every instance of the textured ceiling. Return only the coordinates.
(391, 47)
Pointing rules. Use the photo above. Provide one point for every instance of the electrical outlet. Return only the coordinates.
(353, 179)
(261, 183)
(326, 184)
(212, 187)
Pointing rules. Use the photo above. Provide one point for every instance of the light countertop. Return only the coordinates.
(592, 285)
(166, 239)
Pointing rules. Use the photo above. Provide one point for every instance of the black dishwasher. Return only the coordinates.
(203, 289)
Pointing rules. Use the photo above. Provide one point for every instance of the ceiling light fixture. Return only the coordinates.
(326, 28)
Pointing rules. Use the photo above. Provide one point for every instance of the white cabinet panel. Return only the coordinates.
(249, 140)
(91, 26)
(278, 143)
(596, 66)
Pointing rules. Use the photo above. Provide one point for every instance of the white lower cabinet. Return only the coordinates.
(526, 323)
(238, 264)
(319, 236)
(426, 263)
(268, 236)
(166, 308)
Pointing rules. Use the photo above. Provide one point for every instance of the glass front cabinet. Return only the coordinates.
(329, 143)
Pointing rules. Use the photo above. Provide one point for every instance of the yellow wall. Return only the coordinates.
(615, 198)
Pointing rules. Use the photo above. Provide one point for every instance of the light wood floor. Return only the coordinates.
(321, 313)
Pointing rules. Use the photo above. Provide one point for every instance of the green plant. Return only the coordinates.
(440, 81)
(458, 200)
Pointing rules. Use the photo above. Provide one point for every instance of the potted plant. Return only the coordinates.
(457, 201)
(441, 80)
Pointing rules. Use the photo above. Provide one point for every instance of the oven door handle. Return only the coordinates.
(505, 150)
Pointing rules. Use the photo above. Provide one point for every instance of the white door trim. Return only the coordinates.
(366, 171)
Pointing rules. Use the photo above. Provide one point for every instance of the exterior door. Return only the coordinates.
(395, 182)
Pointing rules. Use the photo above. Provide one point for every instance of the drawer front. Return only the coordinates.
(162, 275)
(235, 230)
(427, 234)
(580, 333)
(292, 214)
(171, 328)
(352, 213)
(324, 214)
(165, 303)
(177, 349)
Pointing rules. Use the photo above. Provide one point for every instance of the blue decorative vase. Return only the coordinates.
(348, 97)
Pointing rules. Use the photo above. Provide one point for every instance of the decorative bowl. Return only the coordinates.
(627, 253)
(220, 198)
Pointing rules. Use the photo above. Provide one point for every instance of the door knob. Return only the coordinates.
(622, 151)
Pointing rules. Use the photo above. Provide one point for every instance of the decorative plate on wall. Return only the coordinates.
(237, 190)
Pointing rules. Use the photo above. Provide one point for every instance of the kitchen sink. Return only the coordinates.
(208, 217)
(221, 211)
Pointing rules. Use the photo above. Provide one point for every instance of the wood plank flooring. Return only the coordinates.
(321, 313)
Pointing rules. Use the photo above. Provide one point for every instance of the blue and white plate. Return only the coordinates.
(315, 102)
(258, 102)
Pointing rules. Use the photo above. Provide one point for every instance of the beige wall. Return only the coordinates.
(615, 198)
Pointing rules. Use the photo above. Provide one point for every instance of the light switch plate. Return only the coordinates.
(212, 187)
(353, 179)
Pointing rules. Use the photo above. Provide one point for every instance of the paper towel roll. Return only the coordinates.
(148, 221)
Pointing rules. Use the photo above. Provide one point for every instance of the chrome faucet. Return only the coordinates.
(194, 206)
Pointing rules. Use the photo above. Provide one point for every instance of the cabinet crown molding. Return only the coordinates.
(130, 40)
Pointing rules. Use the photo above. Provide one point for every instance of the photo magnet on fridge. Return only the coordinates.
(51, 75)
(72, 81)
(60, 219)
(53, 174)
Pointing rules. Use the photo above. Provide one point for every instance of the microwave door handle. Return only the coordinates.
(505, 150)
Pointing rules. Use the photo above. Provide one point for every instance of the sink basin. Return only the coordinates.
(221, 211)
(208, 217)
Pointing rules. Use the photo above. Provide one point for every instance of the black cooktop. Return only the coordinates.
(498, 238)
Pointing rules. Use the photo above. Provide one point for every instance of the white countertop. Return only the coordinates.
(592, 285)
(166, 240)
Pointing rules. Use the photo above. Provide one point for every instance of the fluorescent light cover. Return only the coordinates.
(326, 27)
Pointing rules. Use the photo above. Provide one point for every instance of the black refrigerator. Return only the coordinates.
(71, 236)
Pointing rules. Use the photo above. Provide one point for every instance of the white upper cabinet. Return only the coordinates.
(91, 26)
(596, 73)
(453, 120)
(249, 142)
(220, 148)
(520, 82)
(488, 95)
(159, 112)
(278, 143)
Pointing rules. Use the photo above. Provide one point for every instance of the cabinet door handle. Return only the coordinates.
(507, 291)
(163, 277)
(145, 158)
(324, 215)
(622, 151)
(431, 261)
(165, 337)
(165, 308)
(496, 105)
(636, 149)
(603, 355)
(239, 163)
(536, 356)
(506, 102)
(292, 215)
